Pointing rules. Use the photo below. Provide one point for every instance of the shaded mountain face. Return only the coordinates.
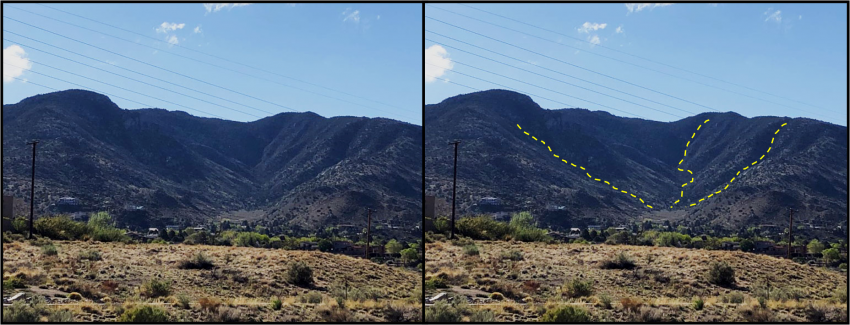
(806, 168)
(291, 168)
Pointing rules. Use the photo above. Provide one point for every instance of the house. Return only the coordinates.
(8, 207)
(574, 233)
(430, 206)
(557, 236)
(489, 201)
(594, 227)
(502, 216)
(79, 216)
(730, 246)
(341, 246)
(152, 233)
(175, 228)
(309, 245)
(762, 246)
(68, 201)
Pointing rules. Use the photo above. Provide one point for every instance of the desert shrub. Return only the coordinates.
(209, 304)
(698, 304)
(91, 255)
(566, 314)
(470, 250)
(251, 239)
(336, 314)
(435, 283)
(108, 234)
(647, 314)
(733, 298)
(226, 315)
(198, 238)
(75, 296)
(620, 261)
(462, 241)
(60, 316)
(312, 297)
(182, 301)
(13, 282)
(497, 296)
(60, 227)
(758, 315)
(618, 238)
(159, 241)
(672, 239)
(531, 234)
(300, 274)
(198, 262)
(442, 225)
(364, 294)
(442, 312)
(721, 274)
(577, 288)
(156, 288)
(482, 227)
(21, 312)
(49, 250)
(530, 286)
(507, 289)
(762, 289)
(144, 314)
(605, 301)
(276, 303)
(841, 295)
(513, 255)
(482, 316)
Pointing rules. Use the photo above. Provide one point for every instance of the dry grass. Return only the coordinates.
(239, 288)
(663, 284)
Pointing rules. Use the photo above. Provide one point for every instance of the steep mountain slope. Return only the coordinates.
(806, 168)
(297, 168)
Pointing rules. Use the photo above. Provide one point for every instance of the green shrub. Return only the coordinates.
(733, 298)
(497, 296)
(251, 239)
(605, 301)
(482, 227)
(482, 316)
(566, 314)
(365, 294)
(577, 288)
(159, 241)
(91, 255)
(108, 234)
(435, 283)
(75, 296)
(531, 234)
(513, 255)
(20, 312)
(60, 316)
(156, 288)
(276, 303)
(442, 312)
(842, 266)
(312, 297)
(49, 250)
(698, 304)
(841, 295)
(13, 282)
(60, 227)
(183, 301)
(144, 314)
(300, 274)
(621, 261)
(470, 250)
(720, 273)
(198, 262)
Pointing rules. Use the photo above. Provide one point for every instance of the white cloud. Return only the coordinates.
(594, 40)
(15, 63)
(166, 27)
(635, 7)
(775, 16)
(172, 40)
(588, 27)
(439, 61)
(197, 29)
(801, 17)
(215, 7)
(352, 16)
(379, 17)
(619, 30)
(713, 5)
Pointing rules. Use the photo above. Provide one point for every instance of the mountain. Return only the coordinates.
(806, 168)
(296, 169)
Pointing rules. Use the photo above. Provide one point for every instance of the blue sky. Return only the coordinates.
(796, 51)
(372, 51)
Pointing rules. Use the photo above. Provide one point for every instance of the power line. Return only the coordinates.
(449, 81)
(102, 92)
(122, 68)
(207, 63)
(629, 54)
(552, 100)
(146, 83)
(221, 58)
(92, 89)
(148, 64)
(541, 67)
(517, 80)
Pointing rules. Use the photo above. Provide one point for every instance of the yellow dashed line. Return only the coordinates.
(544, 142)
(727, 186)
(739, 172)
(693, 204)
(754, 162)
(706, 121)
(683, 194)
(588, 175)
(771, 140)
(641, 201)
(632, 195)
(613, 187)
(573, 164)
(582, 168)
(701, 199)
(677, 201)
(556, 156)
(649, 206)
(692, 135)
(519, 126)
(550, 148)
(699, 127)
(733, 179)
(686, 152)
(768, 149)
(681, 170)
(689, 171)
(526, 133)
(777, 131)
(606, 182)
(686, 184)
(718, 192)
(596, 179)
(625, 192)
(687, 144)
(680, 161)
(783, 124)
(710, 195)
(762, 157)
(564, 161)
(535, 139)
(692, 179)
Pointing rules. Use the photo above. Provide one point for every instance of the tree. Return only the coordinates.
(325, 245)
(409, 255)
(522, 220)
(815, 247)
(394, 247)
(747, 245)
(830, 255)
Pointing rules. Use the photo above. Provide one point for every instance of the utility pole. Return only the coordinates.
(790, 230)
(368, 230)
(454, 191)
(32, 186)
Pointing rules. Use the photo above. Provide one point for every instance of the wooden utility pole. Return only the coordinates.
(790, 231)
(32, 187)
(454, 191)
(368, 230)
